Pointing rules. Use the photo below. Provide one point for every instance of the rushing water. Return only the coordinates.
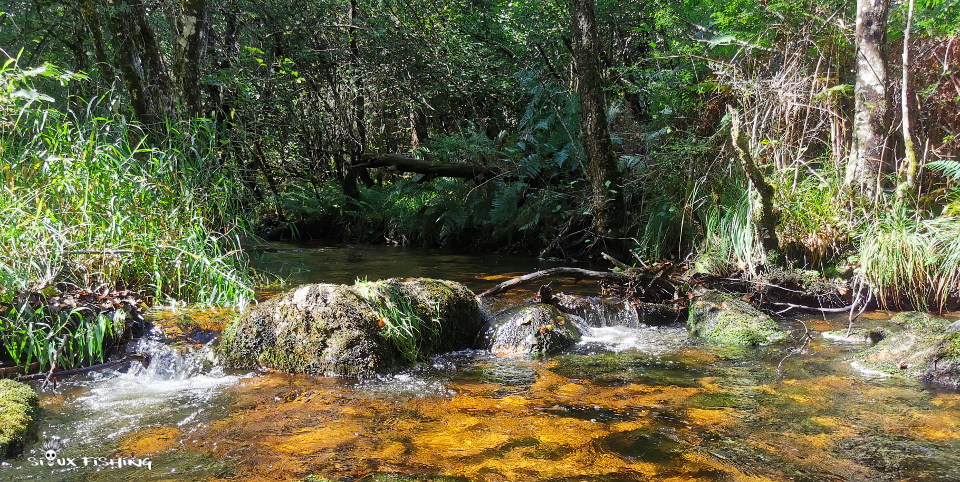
(631, 402)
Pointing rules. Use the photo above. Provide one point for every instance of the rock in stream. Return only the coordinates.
(924, 347)
(366, 328)
(719, 317)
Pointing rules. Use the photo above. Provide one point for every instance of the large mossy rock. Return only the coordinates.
(370, 327)
(535, 329)
(926, 348)
(18, 408)
(723, 318)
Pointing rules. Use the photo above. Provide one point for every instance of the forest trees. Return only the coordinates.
(566, 122)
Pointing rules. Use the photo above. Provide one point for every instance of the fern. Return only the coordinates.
(949, 168)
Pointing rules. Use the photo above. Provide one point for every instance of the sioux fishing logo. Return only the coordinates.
(52, 448)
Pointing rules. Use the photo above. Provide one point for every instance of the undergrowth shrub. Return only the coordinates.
(87, 200)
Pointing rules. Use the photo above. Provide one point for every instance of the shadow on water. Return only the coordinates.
(628, 403)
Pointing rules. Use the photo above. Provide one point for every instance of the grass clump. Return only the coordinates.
(413, 334)
(905, 258)
(65, 340)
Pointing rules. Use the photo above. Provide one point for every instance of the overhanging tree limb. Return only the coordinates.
(768, 219)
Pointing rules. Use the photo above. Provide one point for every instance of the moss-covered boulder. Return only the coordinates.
(722, 318)
(369, 327)
(535, 329)
(18, 408)
(926, 348)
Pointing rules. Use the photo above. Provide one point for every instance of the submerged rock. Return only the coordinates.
(723, 318)
(535, 329)
(18, 407)
(926, 348)
(369, 327)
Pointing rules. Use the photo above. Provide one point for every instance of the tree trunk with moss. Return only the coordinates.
(192, 42)
(601, 168)
(871, 119)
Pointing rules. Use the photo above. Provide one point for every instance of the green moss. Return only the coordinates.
(721, 318)
(18, 408)
(950, 348)
(353, 330)
(919, 320)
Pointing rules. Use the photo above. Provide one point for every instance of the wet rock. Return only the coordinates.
(868, 336)
(366, 328)
(18, 408)
(927, 348)
(535, 329)
(723, 318)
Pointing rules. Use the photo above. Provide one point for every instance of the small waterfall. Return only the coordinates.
(618, 325)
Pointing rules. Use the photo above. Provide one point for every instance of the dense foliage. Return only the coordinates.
(182, 118)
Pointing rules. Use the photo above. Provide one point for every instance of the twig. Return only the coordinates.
(793, 351)
(790, 306)
(56, 359)
(761, 283)
(100, 251)
(616, 262)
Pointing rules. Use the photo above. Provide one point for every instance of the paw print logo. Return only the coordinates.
(51, 448)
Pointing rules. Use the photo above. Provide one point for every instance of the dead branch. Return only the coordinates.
(576, 273)
(143, 359)
(791, 306)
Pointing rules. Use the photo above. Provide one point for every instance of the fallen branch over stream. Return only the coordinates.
(791, 306)
(143, 359)
(576, 273)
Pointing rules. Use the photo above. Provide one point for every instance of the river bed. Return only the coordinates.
(629, 403)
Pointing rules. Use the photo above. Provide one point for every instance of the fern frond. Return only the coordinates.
(948, 168)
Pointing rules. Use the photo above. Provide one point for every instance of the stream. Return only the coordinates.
(630, 402)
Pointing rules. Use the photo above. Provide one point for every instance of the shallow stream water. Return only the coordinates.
(629, 403)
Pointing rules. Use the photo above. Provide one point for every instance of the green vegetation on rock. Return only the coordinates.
(18, 408)
(926, 348)
(353, 330)
(722, 318)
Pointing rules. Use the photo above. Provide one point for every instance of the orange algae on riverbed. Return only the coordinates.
(328, 429)
(285, 427)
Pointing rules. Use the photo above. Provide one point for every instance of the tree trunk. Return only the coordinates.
(90, 17)
(601, 168)
(128, 61)
(768, 218)
(906, 180)
(192, 41)
(871, 119)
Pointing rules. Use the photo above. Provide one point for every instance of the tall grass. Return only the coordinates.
(87, 200)
(904, 258)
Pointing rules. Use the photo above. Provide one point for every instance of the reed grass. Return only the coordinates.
(88, 200)
(907, 258)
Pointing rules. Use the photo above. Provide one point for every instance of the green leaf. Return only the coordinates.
(31, 95)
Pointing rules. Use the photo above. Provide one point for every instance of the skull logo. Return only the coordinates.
(51, 448)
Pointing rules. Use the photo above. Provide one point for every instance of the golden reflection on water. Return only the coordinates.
(285, 427)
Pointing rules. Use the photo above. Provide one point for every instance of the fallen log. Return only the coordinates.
(143, 359)
(576, 273)
(406, 164)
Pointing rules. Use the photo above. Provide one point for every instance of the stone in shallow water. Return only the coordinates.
(358, 330)
(927, 348)
(723, 318)
(535, 329)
